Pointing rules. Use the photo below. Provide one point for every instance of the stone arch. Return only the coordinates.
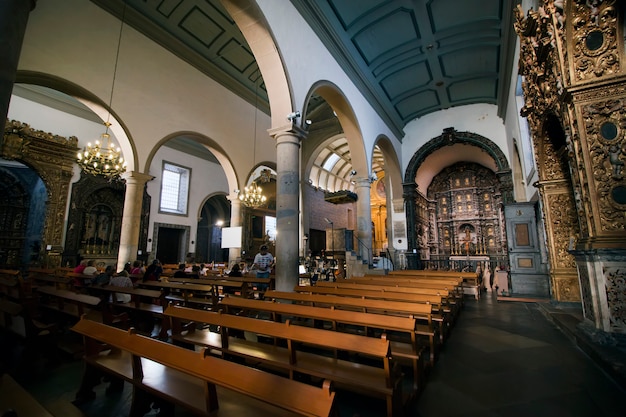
(450, 137)
(392, 165)
(251, 21)
(212, 146)
(91, 101)
(347, 119)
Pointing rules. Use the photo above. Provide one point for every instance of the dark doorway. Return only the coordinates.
(317, 241)
(168, 245)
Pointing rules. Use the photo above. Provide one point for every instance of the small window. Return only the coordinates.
(174, 189)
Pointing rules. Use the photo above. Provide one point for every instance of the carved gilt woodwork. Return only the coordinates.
(52, 157)
(594, 46)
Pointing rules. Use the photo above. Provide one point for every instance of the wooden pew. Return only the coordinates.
(48, 276)
(421, 311)
(184, 292)
(406, 346)
(471, 281)
(453, 299)
(68, 302)
(205, 385)
(12, 285)
(380, 381)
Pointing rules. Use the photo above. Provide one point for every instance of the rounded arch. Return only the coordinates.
(450, 137)
(92, 102)
(254, 27)
(392, 165)
(208, 198)
(348, 121)
(211, 145)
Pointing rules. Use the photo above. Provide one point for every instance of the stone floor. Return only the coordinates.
(503, 358)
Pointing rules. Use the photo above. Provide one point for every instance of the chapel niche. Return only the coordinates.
(466, 203)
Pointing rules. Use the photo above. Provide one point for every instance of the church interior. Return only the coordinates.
(481, 137)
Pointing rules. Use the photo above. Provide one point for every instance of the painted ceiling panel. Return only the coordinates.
(406, 79)
(388, 33)
(475, 90)
(201, 27)
(418, 104)
(463, 62)
(450, 14)
(348, 13)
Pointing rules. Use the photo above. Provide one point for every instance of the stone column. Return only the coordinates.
(13, 19)
(287, 205)
(234, 254)
(364, 219)
(410, 194)
(131, 218)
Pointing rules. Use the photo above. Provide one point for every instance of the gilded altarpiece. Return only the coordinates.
(572, 59)
(52, 157)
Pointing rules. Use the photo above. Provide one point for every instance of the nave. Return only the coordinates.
(502, 359)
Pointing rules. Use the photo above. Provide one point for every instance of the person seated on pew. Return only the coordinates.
(235, 271)
(137, 268)
(153, 272)
(81, 267)
(203, 270)
(90, 269)
(121, 280)
(105, 277)
(180, 272)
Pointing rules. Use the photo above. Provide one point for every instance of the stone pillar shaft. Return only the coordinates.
(287, 206)
(131, 217)
(364, 219)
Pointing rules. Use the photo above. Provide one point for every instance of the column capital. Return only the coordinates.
(290, 132)
(136, 177)
(362, 182)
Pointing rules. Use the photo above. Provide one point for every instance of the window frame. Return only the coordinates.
(184, 211)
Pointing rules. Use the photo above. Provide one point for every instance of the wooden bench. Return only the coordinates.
(48, 276)
(421, 311)
(68, 302)
(315, 362)
(448, 291)
(149, 303)
(184, 292)
(471, 281)
(406, 346)
(23, 404)
(205, 385)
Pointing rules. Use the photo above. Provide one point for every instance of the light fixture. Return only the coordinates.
(103, 157)
(252, 195)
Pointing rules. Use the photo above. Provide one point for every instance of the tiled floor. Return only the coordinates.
(502, 359)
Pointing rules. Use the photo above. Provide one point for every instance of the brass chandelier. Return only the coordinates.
(252, 196)
(104, 158)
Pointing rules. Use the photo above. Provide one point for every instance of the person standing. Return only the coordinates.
(263, 262)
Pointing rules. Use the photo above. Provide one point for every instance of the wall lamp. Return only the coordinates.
(293, 115)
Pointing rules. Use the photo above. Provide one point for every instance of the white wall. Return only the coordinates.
(207, 178)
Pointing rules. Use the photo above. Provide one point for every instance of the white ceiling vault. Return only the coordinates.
(409, 58)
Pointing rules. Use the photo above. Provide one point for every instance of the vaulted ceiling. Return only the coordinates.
(408, 57)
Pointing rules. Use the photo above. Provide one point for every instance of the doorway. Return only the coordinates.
(170, 248)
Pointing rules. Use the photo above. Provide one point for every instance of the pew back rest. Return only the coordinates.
(387, 295)
(418, 309)
(405, 324)
(390, 287)
(323, 338)
(295, 396)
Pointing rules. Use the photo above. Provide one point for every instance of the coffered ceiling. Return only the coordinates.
(408, 57)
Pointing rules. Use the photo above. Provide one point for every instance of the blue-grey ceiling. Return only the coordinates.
(408, 57)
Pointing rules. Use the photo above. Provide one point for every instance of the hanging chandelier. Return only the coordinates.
(102, 158)
(252, 196)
